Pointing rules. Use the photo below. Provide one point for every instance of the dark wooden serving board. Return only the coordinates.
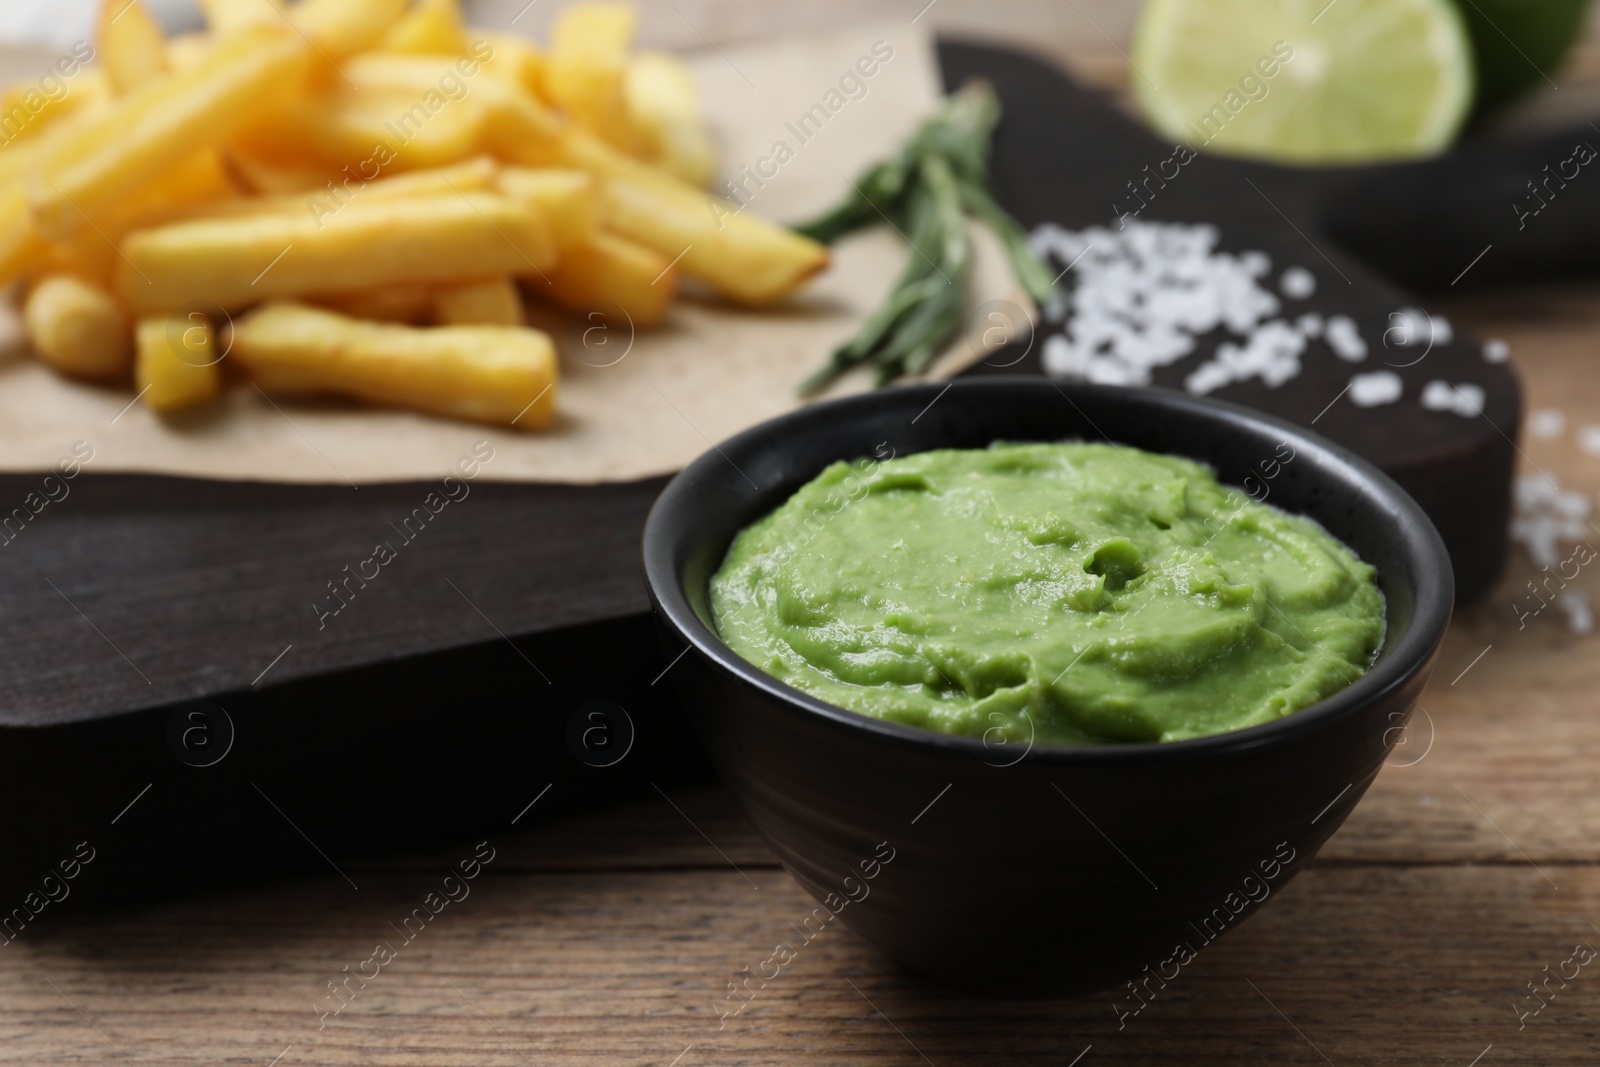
(445, 698)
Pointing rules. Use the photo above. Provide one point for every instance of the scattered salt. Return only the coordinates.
(1413, 326)
(1143, 293)
(1547, 422)
(1544, 516)
(1297, 283)
(1309, 324)
(1463, 398)
(1345, 339)
(1545, 520)
(1496, 350)
(1589, 440)
(1378, 387)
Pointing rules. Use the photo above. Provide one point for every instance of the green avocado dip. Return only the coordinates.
(1063, 593)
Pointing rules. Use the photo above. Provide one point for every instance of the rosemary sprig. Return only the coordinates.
(925, 191)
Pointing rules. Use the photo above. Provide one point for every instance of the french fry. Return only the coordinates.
(587, 67)
(518, 125)
(132, 48)
(606, 271)
(234, 262)
(741, 256)
(516, 60)
(412, 304)
(568, 200)
(491, 302)
(199, 183)
(28, 111)
(160, 125)
(323, 201)
(664, 104)
(194, 184)
(433, 26)
(78, 329)
(479, 173)
(20, 244)
(495, 374)
(177, 364)
(226, 17)
(264, 173)
(365, 129)
(342, 27)
(187, 50)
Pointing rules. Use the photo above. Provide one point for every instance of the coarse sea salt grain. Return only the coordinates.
(1412, 326)
(1589, 439)
(1141, 294)
(1545, 519)
(1378, 387)
(1544, 516)
(1297, 283)
(1496, 350)
(1546, 422)
(1345, 339)
(1463, 398)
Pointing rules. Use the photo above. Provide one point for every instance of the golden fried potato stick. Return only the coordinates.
(21, 243)
(264, 173)
(515, 60)
(227, 17)
(366, 129)
(519, 126)
(235, 262)
(198, 183)
(568, 200)
(588, 63)
(478, 174)
(432, 27)
(412, 303)
(158, 126)
(21, 247)
(490, 302)
(78, 328)
(605, 272)
(132, 48)
(742, 256)
(664, 104)
(187, 50)
(30, 110)
(495, 374)
(342, 27)
(178, 364)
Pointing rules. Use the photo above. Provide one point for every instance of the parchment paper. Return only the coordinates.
(628, 407)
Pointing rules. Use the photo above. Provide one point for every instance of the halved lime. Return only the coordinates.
(1305, 81)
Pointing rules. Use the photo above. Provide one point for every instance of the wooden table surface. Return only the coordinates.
(1472, 866)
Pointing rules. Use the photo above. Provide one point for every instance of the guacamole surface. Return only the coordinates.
(1066, 593)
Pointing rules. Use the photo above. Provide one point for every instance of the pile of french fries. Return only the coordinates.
(353, 197)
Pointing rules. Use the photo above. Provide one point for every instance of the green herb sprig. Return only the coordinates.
(926, 191)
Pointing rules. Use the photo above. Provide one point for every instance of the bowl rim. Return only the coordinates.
(1433, 593)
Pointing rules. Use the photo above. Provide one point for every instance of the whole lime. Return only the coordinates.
(1519, 44)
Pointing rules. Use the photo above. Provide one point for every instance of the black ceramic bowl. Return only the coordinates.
(1041, 870)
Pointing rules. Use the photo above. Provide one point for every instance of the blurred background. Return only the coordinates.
(1092, 37)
